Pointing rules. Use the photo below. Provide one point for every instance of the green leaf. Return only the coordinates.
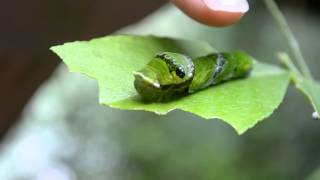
(111, 60)
(308, 87)
(311, 90)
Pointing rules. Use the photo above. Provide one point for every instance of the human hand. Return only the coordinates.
(214, 12)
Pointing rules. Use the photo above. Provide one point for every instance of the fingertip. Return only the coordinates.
(214, 12)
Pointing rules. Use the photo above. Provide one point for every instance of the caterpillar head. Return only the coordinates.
(167, 75)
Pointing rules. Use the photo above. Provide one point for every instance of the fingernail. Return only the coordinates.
(228, 5)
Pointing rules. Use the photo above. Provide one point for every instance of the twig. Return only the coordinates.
(293, 43)
(286, 60)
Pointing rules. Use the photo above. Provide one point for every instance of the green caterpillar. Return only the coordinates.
(169, 75)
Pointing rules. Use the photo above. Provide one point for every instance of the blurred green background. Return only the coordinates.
(63, 134)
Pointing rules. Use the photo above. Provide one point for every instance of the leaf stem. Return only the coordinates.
(286, 60)
(293, 43)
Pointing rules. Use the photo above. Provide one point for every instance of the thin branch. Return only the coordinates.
(293, 43)
(286, 60)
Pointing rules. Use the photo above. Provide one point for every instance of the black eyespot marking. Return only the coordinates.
(180, 72)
